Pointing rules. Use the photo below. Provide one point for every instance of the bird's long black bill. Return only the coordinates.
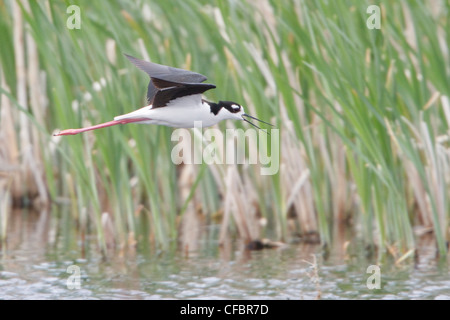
(246, 120)
(247, 115)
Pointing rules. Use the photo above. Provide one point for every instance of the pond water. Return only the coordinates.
(33, 267)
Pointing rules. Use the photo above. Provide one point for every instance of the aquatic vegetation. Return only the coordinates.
(363, 114)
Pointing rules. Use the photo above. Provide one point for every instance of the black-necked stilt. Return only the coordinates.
(174, 99)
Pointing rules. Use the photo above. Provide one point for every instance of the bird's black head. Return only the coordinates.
(231, 106)
(233, 110)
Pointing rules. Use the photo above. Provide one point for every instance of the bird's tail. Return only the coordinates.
(137, 114)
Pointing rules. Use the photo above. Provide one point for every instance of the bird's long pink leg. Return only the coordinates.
(98, 126)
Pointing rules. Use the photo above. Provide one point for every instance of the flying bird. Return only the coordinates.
(174, 99)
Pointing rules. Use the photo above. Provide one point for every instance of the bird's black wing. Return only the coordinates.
(168, 91)
(165, 73)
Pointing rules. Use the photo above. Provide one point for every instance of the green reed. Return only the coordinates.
(363, 114)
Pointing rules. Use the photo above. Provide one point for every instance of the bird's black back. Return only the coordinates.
(168, 83)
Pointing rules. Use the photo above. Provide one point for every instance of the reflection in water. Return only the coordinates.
(40, 248)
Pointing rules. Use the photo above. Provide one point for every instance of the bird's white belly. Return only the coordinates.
(186, 112)
(182, 117)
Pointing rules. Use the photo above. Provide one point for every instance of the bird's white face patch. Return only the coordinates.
(235, 107)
